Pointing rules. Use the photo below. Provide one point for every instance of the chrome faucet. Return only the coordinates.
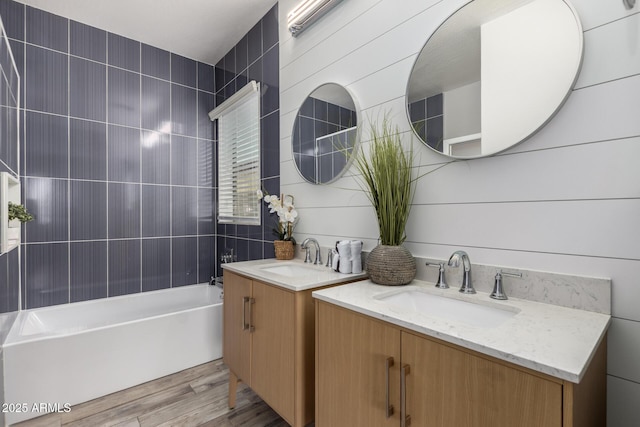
(454, 261)
(307, 257)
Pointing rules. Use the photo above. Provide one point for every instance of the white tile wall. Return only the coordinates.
(567, 200)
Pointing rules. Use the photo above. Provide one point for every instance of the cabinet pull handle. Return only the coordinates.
(389, 364)
(245, 325)
(405, 419)
(251, 302)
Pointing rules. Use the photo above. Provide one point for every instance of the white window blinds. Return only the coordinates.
(239, 156)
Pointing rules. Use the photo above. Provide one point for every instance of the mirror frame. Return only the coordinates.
(551, 115)
(356, 142)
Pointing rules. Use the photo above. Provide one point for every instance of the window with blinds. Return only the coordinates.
(239, 156)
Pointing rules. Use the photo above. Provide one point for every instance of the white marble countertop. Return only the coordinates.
(313, 276)
(551, 339)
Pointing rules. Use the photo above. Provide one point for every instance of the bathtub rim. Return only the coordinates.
(13, 337)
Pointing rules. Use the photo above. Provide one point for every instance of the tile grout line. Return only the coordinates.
(68, 161)
(141, 198)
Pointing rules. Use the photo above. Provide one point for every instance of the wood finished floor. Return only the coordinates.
(193, 397)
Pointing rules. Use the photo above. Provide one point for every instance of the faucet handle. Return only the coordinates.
(330, 258)
(498, 291)
(307, 252)
(441, 284)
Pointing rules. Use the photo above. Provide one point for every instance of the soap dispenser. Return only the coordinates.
(498, 292)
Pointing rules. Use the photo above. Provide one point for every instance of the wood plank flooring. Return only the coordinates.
(193, 397)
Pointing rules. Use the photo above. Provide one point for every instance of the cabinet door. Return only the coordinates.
(450, 387)
(272, 370)
(237, 340)
(351, 375)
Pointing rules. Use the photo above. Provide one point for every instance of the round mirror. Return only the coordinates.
(324, 134)
(493, 74)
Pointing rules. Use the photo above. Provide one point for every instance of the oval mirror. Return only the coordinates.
(324, 134)
(493, 74)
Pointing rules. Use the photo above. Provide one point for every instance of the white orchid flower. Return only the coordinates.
(290, 216)
(260, 194)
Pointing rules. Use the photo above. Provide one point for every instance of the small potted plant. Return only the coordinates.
(17, 214)
(287, 215)
(385, 175)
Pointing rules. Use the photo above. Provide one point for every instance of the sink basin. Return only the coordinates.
(291, 270)
(473, 314)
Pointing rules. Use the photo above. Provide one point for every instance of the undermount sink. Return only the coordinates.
(471, 313)
(291, 270)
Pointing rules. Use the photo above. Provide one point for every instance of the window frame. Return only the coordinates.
(237, 193)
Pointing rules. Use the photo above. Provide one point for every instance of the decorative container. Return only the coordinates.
(391, 265)
(284, 249)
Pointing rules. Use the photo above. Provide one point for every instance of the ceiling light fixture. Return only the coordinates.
(307, 12)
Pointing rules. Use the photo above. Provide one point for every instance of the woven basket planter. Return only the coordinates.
(391, 265)
(284, 249)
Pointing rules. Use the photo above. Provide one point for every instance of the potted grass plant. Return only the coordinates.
(386, 176)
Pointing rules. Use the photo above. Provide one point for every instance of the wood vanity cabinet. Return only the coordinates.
(433, 383)
(269, 344)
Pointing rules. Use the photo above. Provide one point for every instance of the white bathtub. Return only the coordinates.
(73, 353)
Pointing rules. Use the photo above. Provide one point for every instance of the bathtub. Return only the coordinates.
(56, 357)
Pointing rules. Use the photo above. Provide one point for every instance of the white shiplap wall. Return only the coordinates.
(567, 200)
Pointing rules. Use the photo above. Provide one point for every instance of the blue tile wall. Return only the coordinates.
(87, 150)
(118, 163)
(123, 97)
(46, 275)
(124, 267)
(46, 80)
(119, 159)
(88, 100)
(255, 57)
(87, 42)
(184, 261)
(87, 210)
(184, 153)
(13, 296)
(46, 30)
(123, 153)
(183, 110)
(156, 264)
(156, 202)
(123, 214)
(88, 270)
(156, 104)
(155, 62)
(5, 285)
(427, 119)
(13, 19)
(183, 70)
(46, 149)
(123, 52)
(156, 157)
